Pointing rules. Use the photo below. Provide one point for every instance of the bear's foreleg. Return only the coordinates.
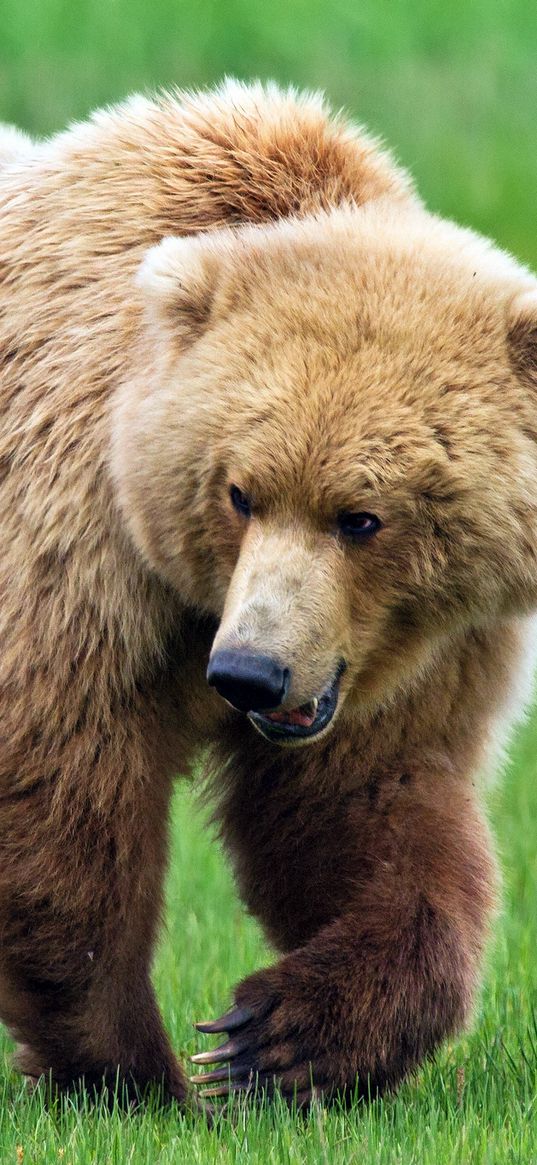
(381, 895)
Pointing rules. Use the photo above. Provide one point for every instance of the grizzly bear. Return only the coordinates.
(268, 470)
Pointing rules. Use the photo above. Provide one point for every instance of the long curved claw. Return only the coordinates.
(226, 1051)
(232, 1019)
(227, 1089)
(217, 1075)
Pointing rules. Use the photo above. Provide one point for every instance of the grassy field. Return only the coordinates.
(454, 89)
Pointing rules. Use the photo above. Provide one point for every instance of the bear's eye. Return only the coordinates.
(359, 527)
(239, 501)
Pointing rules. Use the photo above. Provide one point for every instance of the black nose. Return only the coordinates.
(252, 683)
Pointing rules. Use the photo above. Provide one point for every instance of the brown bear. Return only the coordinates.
(262, 414)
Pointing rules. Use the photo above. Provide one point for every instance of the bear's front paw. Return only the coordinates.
(277, 1039)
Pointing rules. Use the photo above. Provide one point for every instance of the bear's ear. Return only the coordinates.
(179, 278)
(522, 336)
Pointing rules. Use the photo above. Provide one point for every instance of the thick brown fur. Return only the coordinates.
(323, 342)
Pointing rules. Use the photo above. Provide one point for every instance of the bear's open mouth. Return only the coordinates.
(304, 722)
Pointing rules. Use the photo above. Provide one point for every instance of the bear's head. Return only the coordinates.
(328, 441)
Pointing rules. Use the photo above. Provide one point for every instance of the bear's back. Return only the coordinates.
(77, 214)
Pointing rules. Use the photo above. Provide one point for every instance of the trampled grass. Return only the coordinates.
(453, 87)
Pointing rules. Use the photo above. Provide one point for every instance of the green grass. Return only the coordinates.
(453, 88)
(476, 1105)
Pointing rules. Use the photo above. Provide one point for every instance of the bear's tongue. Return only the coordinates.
(303, 716)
